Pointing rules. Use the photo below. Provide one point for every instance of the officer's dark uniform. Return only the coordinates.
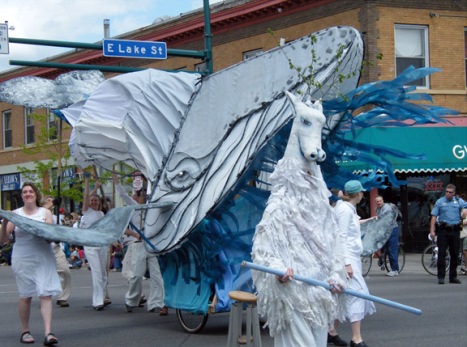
(448, 233)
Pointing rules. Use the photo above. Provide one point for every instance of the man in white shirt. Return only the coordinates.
(138, 259)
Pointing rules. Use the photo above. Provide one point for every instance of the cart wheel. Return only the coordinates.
(191, 322)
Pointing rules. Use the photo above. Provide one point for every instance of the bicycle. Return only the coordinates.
(383, 261)
(430, 258)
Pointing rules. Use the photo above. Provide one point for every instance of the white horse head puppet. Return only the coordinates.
(298, 229)
(305, 136)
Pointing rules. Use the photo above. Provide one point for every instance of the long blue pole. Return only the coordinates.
(328, 287)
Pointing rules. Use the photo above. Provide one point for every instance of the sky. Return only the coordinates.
(78, 21)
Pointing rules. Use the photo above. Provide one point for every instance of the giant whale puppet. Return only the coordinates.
(193, 137)
(207, 145)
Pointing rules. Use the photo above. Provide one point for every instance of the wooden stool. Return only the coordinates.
(235, 337)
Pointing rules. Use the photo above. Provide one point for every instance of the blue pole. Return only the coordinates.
(145, 239)
(328, 287)
(143, 207)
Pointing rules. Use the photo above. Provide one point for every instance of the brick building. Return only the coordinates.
(420, 33)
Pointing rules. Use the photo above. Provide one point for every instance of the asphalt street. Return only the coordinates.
(442, 323)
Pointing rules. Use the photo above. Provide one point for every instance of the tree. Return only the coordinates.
(308, 74)
(48, 140)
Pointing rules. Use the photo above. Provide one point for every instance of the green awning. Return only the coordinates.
(445, 148)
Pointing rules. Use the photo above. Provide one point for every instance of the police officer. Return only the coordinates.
(445, 223)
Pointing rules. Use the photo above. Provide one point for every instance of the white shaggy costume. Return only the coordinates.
(298, 231)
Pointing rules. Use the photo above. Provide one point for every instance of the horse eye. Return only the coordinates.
(306, 122)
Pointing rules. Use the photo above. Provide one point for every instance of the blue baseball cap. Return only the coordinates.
(354, 186)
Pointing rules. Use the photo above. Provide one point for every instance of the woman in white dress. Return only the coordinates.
(33, 264)
(97, 256)
(349, 226)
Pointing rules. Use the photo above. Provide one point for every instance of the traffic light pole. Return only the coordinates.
(206, 55)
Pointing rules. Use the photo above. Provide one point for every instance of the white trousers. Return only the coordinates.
(63, 272)
(131, 263)
(156, 284)
(300, 334)
(97, 258)
(140, 260)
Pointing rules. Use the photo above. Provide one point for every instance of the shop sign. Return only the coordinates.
(432, 186)
(10, 182)
(459, 151)
(68, 174)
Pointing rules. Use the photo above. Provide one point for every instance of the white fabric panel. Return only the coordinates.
(73, 112)
(132, 118)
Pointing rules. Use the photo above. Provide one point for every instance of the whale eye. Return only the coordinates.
(183, 174)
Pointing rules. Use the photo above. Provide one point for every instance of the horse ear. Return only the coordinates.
(318, 105)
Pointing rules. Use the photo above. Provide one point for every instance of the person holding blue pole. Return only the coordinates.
(349, 227)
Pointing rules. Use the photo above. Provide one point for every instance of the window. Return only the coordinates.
(411, 43)
(7, 130)
(28, 126)
(465, 54)
(251, 54)
(52, 127)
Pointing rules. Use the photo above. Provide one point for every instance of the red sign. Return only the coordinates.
(433, 186)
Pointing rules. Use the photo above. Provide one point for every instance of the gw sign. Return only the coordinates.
(135, 49)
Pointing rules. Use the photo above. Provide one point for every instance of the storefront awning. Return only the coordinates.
(445, 148)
